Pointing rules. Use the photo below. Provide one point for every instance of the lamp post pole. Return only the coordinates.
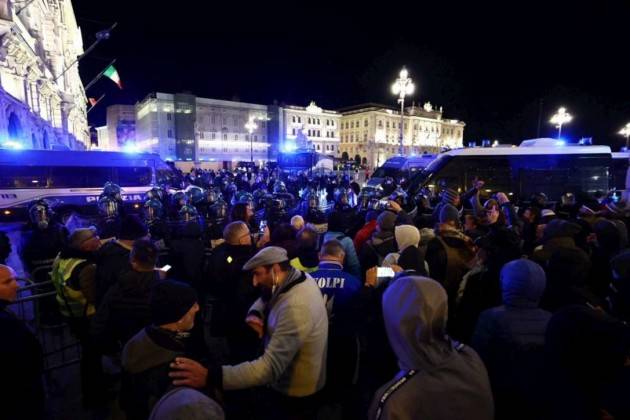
(251, 126)
(402, 86)
(560, 118)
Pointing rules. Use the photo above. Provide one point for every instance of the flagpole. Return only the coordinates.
(99, 37)
(95, 103)
(89, 85)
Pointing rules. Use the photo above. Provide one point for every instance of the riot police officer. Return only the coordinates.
(42, 240)
(109, 210)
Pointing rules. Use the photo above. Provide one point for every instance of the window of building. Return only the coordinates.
(365, 123)
(293, 131)
(235, 136)
(387, 124)
(212, 136)
(201, 134)
(225, 137)
(309, 120)
(293, 118)
(365, 137)
(168, 116)
(300, 120)
(318, 123)
(169, 134)
(318, 147)
(380, 124)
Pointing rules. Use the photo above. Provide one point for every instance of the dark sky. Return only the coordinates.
(489, 65)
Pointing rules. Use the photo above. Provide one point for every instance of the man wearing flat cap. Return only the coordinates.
(294, 325)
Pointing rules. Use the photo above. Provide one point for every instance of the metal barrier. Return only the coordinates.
(60, 347)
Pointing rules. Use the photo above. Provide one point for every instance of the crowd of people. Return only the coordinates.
(260, 296)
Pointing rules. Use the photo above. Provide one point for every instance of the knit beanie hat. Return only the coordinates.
(449, 213)
(386, 221)
(170, 300)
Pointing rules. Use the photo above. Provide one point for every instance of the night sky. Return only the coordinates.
(488, 65)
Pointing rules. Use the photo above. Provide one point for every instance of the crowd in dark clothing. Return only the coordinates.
(466, 309)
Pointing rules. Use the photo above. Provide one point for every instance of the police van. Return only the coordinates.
(73, 180)
(400, 168)
(540, 165)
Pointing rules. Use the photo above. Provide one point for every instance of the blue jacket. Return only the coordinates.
(342, 292)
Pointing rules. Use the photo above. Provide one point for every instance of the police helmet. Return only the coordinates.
(279, 187)
(112, 190)
(196, 195)
(108, 207)
(153, 210)
(188, 213)
(40, 214)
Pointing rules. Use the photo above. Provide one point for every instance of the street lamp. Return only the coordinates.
(559, 118)
(625, 131)
(402, 87)
(251, 126)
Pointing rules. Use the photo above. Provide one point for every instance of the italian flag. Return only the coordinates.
(112, 74)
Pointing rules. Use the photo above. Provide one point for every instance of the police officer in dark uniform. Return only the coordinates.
(153, 212)
(344, 210)
(217, 216)
(42, 240)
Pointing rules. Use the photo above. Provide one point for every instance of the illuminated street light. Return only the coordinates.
(625, 131)
(560, 118)
(251, 126)
(402, 87)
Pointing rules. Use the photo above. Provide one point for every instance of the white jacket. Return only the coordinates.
(294, 362)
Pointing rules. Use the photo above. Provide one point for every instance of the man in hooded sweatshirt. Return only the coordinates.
(438, 378)
(510, 339)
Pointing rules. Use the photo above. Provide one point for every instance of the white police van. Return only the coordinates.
(73, 180)
(540, 165)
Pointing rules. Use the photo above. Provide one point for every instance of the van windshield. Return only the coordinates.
(383, 172)
(419, 178)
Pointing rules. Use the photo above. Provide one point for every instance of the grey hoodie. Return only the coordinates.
(451, 381)
(186, 404)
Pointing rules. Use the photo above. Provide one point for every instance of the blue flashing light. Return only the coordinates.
(561, 142)
(10, 144)
(130, 148)
(289, 147)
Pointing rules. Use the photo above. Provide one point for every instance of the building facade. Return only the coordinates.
(310, 127)
(121, 126)
(185, 127)
(371, 132)
(42, 100)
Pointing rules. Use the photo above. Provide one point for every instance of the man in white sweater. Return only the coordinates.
(291, 317)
